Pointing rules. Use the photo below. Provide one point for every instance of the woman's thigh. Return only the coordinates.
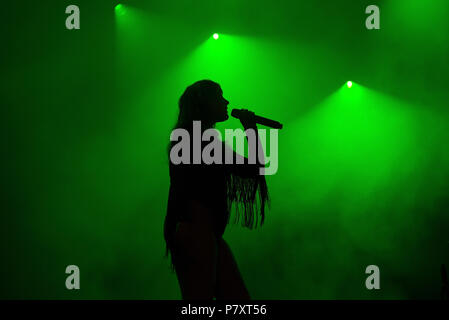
(195, 260)
(230, 284)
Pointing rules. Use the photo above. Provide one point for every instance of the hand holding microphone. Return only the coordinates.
(246, 117)
(249, 119)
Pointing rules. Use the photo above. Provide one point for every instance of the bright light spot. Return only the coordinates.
(215, 36)
(120, 9)
(349, 84)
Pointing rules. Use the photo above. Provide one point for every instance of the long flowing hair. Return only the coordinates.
(249, 195)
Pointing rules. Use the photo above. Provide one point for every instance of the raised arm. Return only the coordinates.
(241, 165)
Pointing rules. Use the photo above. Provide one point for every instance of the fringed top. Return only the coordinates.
(249, 195)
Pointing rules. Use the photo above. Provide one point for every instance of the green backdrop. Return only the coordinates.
(363, 172)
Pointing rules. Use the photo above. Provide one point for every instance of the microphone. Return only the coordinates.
(237, 113)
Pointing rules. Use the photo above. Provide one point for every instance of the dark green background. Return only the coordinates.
(363, 172)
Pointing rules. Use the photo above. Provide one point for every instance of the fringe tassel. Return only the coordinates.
(250, 196)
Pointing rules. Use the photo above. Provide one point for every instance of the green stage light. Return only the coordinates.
(120, 9)
(215, 36)
(349, 84)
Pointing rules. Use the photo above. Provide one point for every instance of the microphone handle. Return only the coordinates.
(268, 122)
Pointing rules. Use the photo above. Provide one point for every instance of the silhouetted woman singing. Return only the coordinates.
(200, 199)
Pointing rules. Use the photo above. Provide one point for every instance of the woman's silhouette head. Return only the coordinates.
(202, 101)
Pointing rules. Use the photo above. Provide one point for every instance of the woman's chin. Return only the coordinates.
(224, 118)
